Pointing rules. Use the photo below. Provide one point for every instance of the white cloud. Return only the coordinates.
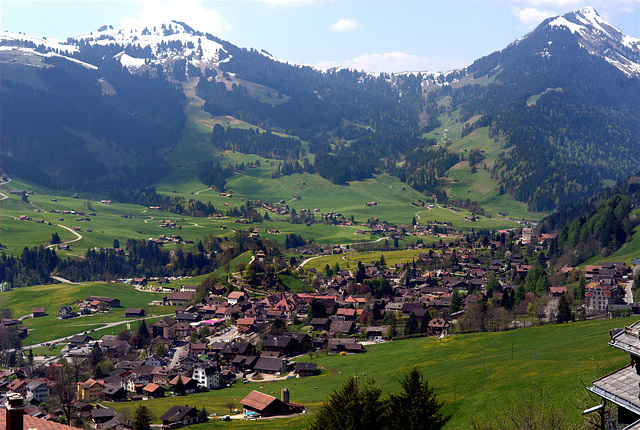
(394, 62)
(288, 3)
(191, 12)
(554, 3)
(345, 24)
(531, 17)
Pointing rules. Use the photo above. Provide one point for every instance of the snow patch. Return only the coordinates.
(129, 61)
(562, 22)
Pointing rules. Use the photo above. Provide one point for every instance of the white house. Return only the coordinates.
(208, 375)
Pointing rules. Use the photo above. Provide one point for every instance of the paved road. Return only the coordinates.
(103, 326)
(629, 293)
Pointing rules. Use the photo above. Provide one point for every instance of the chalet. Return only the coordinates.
(348, 313)
(113, 303)
(65, 312)
(179, 298)
(78, 340)
(270, 365)
(305, 369)
(102, 415)
(343, 327)
(190, 384)
(235, 297)
(183, 330)
(245, 325)
(347, 345)
(230, 350)
(38, 312)
(134, 313)
(165, 327)
(375, 333)
(116, 424)
(557, 291)
(114, 393)
(319, 323)
(37, 391)
(162, 375)
(140, 281)
(244, 363)
(266, 405)
(153, 391)
(179, 416)
(284, 345)
(186, 318)
(438, 326)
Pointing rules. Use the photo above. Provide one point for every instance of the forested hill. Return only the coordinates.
(570, 117)
(598, 225)
(97, 112)
(69, 126)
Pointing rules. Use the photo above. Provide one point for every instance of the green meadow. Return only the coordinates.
(476, 375)
(350, 260)
(299, 191)
(459, 181)
(51, 297)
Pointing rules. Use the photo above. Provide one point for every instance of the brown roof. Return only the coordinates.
(151, 387)
(257, 400)
(246, 321)
(181, 295)
(34, 423)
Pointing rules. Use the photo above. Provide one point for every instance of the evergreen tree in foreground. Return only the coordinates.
(356, 407)
(142, 419)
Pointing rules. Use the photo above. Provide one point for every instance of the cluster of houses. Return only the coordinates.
(604, 291)
(174, 238)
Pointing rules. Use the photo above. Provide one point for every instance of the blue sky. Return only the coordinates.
(388, 36)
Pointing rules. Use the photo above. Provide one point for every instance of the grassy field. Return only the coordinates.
(350, 259)
(461, 183)
(476, 374)
(300, 191)
(51, 297)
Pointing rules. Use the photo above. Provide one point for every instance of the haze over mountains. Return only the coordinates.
(98, 112)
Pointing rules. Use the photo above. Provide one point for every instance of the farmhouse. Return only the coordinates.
(178, 416)
(179, 298)
(134, 312)
(266, 405)
(114, 303)
(38, 312)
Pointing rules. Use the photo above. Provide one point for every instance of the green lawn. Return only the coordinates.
(350, 259)
(51, 297)
(460, 183)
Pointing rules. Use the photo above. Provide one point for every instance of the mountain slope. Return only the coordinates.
(567, 111)
(562, 101)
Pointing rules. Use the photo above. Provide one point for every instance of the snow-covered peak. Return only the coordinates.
(601, 38)
(44, 43)
(158, 43)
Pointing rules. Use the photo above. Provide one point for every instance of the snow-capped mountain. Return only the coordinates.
(137, 49)
(159, 44)
(601, 38)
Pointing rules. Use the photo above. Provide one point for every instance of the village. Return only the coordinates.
(254, 332)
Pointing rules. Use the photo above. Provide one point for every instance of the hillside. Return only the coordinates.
(546, 121)
(489, 371)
